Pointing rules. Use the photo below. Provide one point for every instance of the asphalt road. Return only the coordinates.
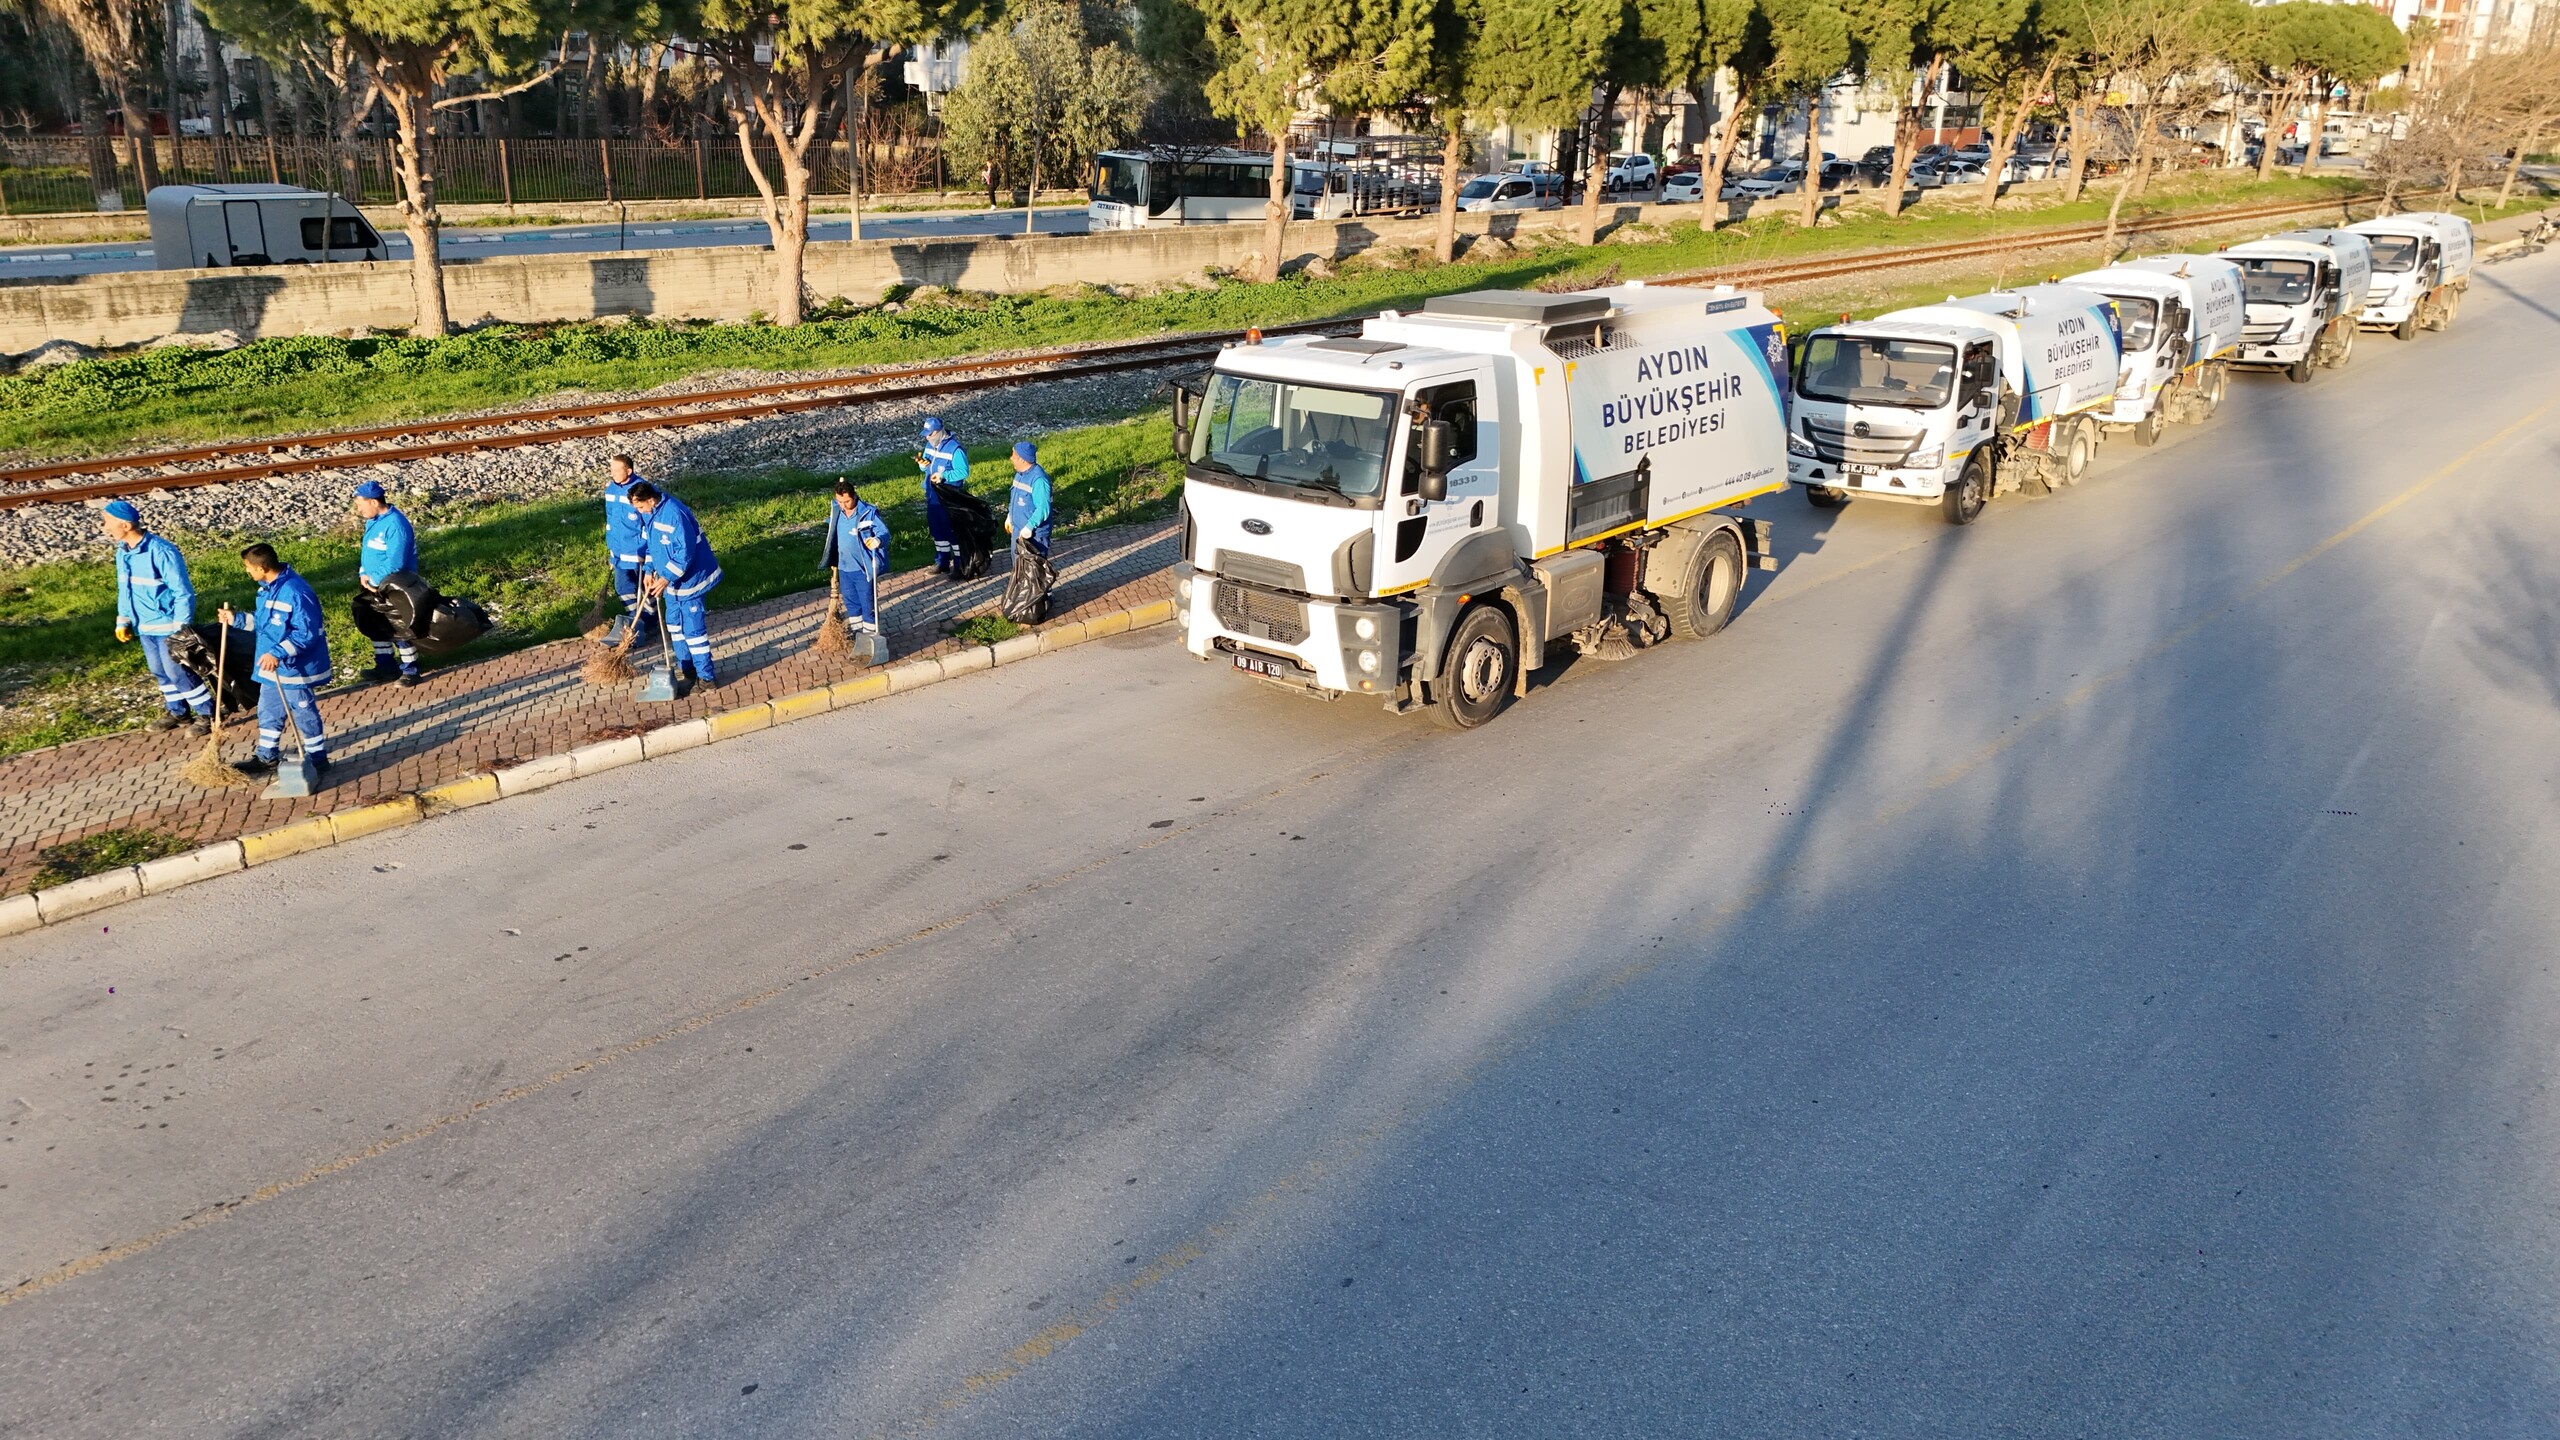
(2081, 975)
(478, 241)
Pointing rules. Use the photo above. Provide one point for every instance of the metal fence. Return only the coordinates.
(56, 174)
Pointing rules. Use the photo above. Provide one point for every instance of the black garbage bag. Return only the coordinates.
(454, 623)
(197, 646)
(974, 528)
(1026, 592)
(406, 607)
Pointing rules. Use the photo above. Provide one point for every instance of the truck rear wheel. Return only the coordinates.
(1715, 588)
(1476, 672)
(1972, 490)
(2217, 384)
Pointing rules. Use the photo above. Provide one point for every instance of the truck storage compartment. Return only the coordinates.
(1574, 583)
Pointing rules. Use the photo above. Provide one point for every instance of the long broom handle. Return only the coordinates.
(221, 662)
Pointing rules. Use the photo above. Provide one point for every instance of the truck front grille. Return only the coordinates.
(2262, 332)
(1244, 610)
(1841, 444)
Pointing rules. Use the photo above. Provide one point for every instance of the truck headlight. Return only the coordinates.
(1929, 459)
(1182, 588)
(1798, 445)
(1365, 627)
(1368, 659)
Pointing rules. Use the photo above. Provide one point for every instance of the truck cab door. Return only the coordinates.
(2174, 341)
(1977, 399)
(1416, 532)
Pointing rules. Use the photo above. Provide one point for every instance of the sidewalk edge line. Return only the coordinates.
(40, 909)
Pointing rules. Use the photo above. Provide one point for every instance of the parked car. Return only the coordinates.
(1512, 191)
(1836, 173)
(1686, 189)
(1784, 178)
(1630, 172)
(1944, 170)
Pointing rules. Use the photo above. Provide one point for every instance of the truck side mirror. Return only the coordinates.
(1186, 408)
(1431, 456)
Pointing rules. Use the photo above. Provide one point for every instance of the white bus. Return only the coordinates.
(1134, 189)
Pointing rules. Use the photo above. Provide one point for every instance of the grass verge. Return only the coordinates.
(537, 566)
(106, 850)
(317, 381)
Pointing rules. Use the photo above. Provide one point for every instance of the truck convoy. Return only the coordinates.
(1427, 512)
(1954, 404)
(2179, 317)
(2304, 289)
(2421, 266)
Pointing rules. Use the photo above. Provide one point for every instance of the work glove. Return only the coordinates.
(124, 633)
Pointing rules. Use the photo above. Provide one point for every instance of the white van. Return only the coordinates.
(215, 226)
(2421, 266)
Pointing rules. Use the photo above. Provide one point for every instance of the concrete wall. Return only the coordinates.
(707, 283)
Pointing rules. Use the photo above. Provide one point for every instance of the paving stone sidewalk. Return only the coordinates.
(502, 711)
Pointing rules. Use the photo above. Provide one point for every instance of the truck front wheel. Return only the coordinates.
(1972, 491)
(1477, 671)
(2146, 431)
(1715, 588)
(2299, 372)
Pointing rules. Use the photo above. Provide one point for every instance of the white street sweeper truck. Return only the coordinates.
(2179, 318)
(1953, 404)
(1428, 512)
(2303, 290)
(2421, 266)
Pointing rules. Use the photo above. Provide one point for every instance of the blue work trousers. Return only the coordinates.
(861, 595)
(275, 701)
(180, 690)
(689, 627)
(626, 583)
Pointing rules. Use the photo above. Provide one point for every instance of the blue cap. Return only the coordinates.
(1025, 450)
(369, 490)
(932, 424)
(124, 511)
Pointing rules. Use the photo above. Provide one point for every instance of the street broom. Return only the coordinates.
(611, 664)
(209, 771)
(834, 641)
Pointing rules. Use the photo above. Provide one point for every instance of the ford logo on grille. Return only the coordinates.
(1257, 527)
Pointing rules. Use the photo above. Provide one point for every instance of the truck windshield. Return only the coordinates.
(1478, 188)
(2137, 316)
(2394, 254)
(1876, 370)
(1298, 437)
(2276, 282)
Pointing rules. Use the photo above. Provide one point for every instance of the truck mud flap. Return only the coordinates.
(1759, 547)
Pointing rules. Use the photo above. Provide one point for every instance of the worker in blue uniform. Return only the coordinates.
(857, 549)
(680, 571)
(390, 546)
(943, 463)
(625, 544)
(293, 658)
(1027, 515)
(155, 599)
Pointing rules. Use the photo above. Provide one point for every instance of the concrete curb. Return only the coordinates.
(19, 913)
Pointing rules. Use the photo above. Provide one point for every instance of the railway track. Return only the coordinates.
(231, 462)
